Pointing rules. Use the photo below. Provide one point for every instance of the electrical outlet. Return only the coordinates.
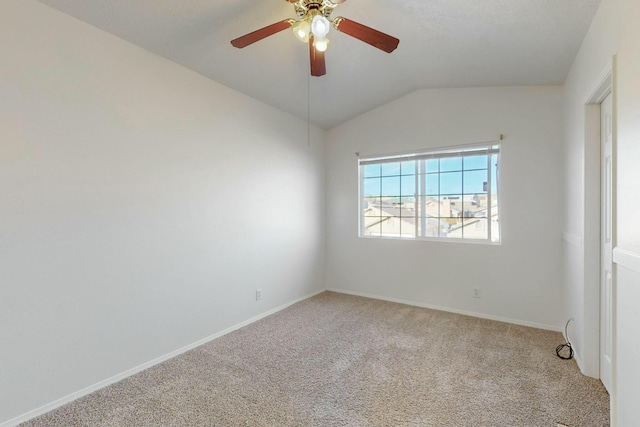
(476, 293)
(258, 294)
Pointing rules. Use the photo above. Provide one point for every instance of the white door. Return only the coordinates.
(606, 292)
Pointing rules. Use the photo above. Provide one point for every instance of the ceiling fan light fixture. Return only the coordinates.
(302, 30)
(320, 26)
(321, 44)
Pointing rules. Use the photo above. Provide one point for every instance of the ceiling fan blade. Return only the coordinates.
(262, 33)
(318, 66)
(368, 35)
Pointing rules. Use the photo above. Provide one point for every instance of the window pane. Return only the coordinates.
(451, 164)
(420, 203)
(467, 208)
(475, 162)
(409, 205)
(431, 182)
(390, 226)
(391, 186)
(432, 165)
(408, 168)
(475, 229)
(386, 208)
(371, 207)
(429, 207)
(371, 171)
(428, 227)
(451, 206)
(372, 187)
(407, 226)
(451, 183)
(371, 226)
(408, 185)
(475, 181)
(475, 205)
(450, 228)
(390, 169)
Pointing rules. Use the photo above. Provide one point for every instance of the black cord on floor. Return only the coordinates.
(561, 348)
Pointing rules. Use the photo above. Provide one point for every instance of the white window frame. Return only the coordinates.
(490, 148)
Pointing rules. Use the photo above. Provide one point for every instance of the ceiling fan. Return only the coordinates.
(312, 25)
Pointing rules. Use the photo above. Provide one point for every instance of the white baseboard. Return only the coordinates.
(451, 310)
(119, 377)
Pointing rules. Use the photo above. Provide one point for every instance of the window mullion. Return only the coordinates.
(416, 172)
(462, 201)
(489, 197)
(380, 204)
(439, 199)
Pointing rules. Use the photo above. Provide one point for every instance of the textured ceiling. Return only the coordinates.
(443, 43)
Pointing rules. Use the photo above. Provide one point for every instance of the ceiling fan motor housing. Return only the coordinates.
(310, 8)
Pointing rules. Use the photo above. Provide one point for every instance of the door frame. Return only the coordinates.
(592, 222)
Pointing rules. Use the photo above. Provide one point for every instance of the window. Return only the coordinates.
(447, 194)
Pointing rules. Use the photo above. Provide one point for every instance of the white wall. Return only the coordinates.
(521, 278)
(141, 205)
(613, 32)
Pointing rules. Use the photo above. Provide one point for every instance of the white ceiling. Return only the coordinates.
(443, 43)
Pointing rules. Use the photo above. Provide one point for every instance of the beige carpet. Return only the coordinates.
(339, 360)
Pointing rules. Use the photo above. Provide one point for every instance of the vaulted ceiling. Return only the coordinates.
(443, 43)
